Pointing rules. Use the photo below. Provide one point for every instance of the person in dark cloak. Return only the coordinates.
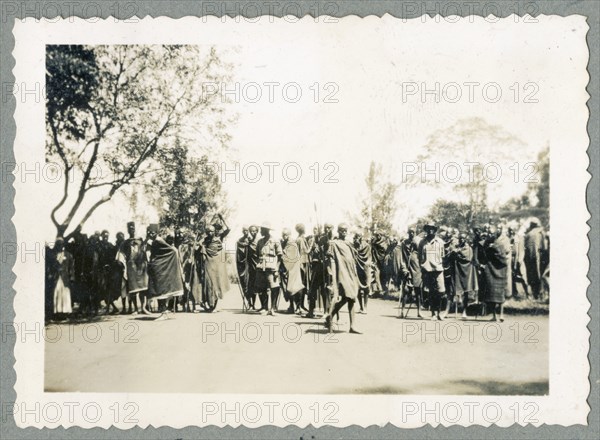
(90, 274)
(342, 266)
(170, 238)
(107, 257)
(211, 253)
(186, 247)
(464, 273)
(252, 256)
(413, 283)
(398, 269)
(316, 282)
(241, 259)
(320, 278)
(165, 279)
(304, 245)
(496, 270)
(133, 250)
(283, 270)
(364, 270)
(480, 259)
(323, 244)
(379, 247)
(407, 244)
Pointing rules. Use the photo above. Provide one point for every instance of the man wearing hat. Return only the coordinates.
(270, 256)
(431, 257)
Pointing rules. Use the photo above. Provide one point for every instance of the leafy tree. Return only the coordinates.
(471, 144)
(113, 113)
(536, 201)
(538, 190)
(379, 206)
(186, 191)
(516, 204)
(455, 215)
(541, 188)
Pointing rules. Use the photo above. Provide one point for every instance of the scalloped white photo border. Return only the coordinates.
(568, 334)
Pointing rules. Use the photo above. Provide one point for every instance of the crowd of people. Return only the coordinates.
(317, 274)
(481, 268)
(148, 275)
(432, 269)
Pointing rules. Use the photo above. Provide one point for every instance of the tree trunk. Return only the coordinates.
(61, 229)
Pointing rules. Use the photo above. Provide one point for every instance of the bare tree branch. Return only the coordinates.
(67, 170)
(128, 105)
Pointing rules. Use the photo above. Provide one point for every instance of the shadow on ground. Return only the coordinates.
(460, 387)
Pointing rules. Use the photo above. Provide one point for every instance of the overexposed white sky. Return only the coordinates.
(368, 62)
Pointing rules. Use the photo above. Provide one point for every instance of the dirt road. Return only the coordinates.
(232, 352)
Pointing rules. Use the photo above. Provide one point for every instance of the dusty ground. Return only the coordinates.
(231, 352)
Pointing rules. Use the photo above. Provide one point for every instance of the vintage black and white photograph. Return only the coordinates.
(311, 208)
(145, 128)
